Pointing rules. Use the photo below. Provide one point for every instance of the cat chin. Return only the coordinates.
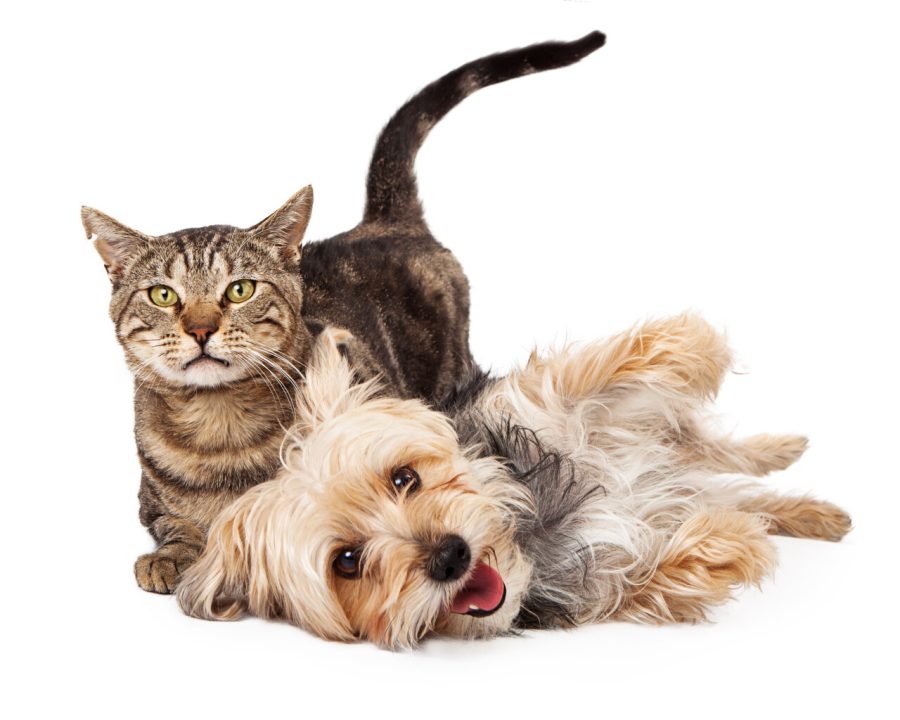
(206, 374)
(210, 375)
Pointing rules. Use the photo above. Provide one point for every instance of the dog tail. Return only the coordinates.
(391, 193)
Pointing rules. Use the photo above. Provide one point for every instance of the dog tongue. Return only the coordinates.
(482, 594)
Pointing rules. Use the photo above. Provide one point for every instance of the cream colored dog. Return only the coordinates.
(580, 488)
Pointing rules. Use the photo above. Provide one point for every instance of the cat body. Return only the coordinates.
(217, 322)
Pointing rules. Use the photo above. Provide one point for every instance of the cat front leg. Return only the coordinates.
(180, 544)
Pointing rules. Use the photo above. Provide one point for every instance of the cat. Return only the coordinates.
(217, 322)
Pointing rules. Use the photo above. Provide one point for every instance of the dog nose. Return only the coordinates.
(449, 560)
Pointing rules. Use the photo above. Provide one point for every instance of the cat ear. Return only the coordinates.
(285, 227)
(117, 244)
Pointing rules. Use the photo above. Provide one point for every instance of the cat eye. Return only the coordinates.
(240, 291)
(406, 479)
(163, 296)
(348, 563)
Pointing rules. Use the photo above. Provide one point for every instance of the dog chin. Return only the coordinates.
(496, 621)
(468, 627)
(483, 594)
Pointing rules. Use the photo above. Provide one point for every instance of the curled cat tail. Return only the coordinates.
(391, 192)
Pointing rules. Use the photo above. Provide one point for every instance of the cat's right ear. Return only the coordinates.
(117, 244)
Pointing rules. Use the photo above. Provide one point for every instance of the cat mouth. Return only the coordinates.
(204, 358)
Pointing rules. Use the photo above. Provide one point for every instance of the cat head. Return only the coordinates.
(207, 306)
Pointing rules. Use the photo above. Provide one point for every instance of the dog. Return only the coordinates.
(580, 488)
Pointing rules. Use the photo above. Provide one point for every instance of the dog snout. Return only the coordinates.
(450, 559)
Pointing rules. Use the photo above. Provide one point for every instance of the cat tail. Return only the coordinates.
(391, 193)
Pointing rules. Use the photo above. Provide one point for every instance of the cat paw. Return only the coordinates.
(156, 572)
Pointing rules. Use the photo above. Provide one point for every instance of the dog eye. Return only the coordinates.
(405, 478)
(347, 563)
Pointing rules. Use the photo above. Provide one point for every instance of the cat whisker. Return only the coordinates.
(249, 364)
(144, 376)
(272, 364)
(277, 373)
(263, 366)
(288, 393)
(274, 353)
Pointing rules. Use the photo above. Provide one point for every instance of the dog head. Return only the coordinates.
(379, 527)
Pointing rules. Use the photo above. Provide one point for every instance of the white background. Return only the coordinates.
(739, 159)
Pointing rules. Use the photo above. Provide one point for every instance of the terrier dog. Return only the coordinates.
(579, 488)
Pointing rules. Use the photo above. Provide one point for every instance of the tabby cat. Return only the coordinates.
(217, 322)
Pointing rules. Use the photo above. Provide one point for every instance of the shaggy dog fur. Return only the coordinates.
(579, 488)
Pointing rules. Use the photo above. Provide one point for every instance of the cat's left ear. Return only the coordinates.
(285, 227)
(117, 244)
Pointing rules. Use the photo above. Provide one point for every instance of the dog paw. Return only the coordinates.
(156, 572)
(819, 520)
(802, 517)
(776, 452)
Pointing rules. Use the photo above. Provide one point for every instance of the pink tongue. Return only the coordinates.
(484, 591)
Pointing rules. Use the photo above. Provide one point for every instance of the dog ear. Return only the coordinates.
(331, 387)
(216, 586)
(266, 554)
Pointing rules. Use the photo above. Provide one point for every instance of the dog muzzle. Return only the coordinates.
(483, 594)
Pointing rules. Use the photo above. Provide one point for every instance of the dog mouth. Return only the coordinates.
(203, 357)
(483, 595)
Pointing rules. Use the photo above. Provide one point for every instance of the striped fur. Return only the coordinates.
(208, 430)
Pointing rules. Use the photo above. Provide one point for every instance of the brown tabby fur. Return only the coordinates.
(215, 379)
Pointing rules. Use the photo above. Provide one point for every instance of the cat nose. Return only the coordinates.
(449, 560)
(201, 333)
(201, 322)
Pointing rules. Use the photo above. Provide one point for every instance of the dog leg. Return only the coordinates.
(711, 553)
(677, 358)
(802, 517)
(755, 456)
